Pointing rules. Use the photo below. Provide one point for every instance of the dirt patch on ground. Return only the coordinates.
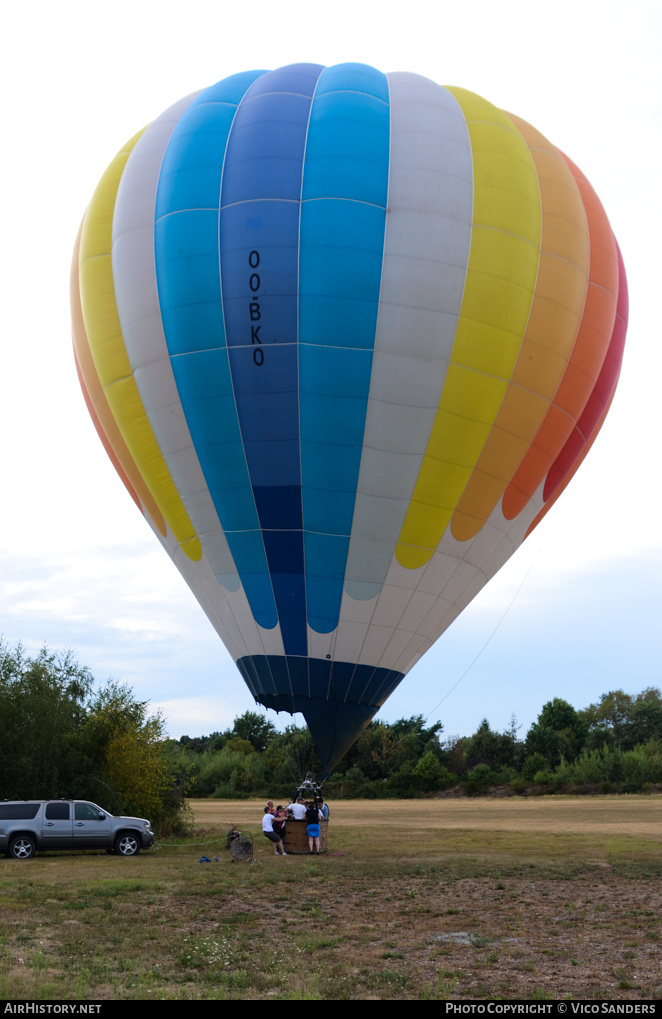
(519, 939)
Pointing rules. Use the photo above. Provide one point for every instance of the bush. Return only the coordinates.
(479, 778)
(429, 773)
(533, 764)
(504, 776)
(635, 770)
(589, 767)
(447, 779)
(403, 783)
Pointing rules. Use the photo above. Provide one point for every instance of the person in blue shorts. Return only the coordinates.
(313, 827)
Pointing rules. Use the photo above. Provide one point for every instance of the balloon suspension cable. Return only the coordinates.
(471, 665)
(466, 671)
(302, 771)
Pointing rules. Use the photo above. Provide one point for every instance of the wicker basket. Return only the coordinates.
(296, 836)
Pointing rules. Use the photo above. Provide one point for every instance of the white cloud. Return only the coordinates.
(196, 715)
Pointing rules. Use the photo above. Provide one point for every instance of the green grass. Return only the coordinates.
(365, 924)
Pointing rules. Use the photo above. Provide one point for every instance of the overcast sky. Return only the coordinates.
(577, 610)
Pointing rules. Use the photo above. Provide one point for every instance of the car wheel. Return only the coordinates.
(22, 847)
(127, 844)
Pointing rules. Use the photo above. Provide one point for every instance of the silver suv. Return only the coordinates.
(29, 825)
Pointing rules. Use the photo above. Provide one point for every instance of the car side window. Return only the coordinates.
(86, 812)
(57, 811)
(18, 811)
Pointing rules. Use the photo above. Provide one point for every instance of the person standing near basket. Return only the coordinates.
(313, 827)
(280, 818)
(273, 836)
(297, 809)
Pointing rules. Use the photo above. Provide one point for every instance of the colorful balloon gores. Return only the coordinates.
(346, 336)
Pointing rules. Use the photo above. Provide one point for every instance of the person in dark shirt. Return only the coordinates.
(313, 827)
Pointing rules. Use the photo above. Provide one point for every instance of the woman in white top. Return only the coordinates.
(268, 830)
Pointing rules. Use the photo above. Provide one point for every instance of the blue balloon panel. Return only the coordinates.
(259, 242)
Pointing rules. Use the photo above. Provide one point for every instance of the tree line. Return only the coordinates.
(614, 745)
(60, 736)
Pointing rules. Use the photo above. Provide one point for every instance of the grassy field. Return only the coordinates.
(557, 897)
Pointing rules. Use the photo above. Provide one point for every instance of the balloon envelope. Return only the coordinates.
(346, 336)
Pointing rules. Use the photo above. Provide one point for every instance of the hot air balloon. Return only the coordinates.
(346, 337)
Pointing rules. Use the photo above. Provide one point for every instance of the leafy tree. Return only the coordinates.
(112, 709)
(290, 755)
(383, 750)
(255, 728)
(237, 745)
(42, 706)
(201, 744)
(646, 719)
(423, 737)
(559, 732)
(379, 751)
(137, 769)
(620, 720)
(607, 722)
(130, 753)
(535, 764)
(431, 774)
(497, 750)
(406, 757)
(455, 755)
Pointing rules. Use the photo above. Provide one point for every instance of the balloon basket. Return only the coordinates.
(296, 837)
